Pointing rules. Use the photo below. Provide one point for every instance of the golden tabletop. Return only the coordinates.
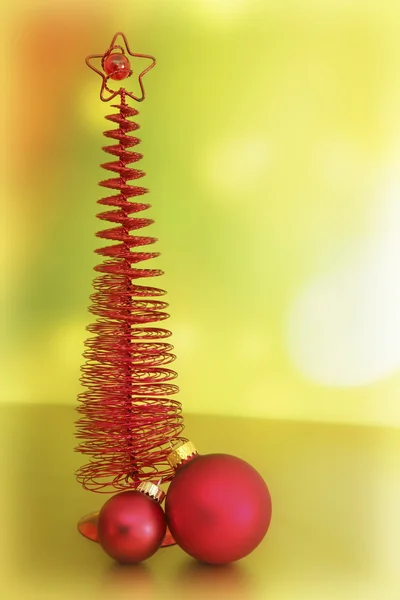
(334, 534)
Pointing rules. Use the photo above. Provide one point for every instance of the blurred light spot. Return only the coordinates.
(344, 327)
(338, 161)
(67, 344)
(223, 7)
(92, 112)
(236, 166)
(252, 346)
(185, 337)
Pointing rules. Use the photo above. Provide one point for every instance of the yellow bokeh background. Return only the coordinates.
(271, 142)
(271, 135)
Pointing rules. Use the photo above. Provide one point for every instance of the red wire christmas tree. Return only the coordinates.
(128, 421)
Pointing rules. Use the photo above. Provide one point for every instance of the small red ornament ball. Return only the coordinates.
(131, 527)
(218, 508)
(117, 66)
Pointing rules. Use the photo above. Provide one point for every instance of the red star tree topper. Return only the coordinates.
(115, 65)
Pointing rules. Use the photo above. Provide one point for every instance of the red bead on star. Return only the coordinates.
(116, 66)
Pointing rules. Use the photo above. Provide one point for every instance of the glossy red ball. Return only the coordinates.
(218, 508)
(117, 66)
(131, 527)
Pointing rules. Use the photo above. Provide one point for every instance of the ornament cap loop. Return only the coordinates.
(181, 454)
(151, 490)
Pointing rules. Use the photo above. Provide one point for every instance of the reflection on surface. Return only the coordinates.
(191, 580)
(124, 581)
(198, 580)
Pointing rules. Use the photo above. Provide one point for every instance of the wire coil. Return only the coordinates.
(128, 421)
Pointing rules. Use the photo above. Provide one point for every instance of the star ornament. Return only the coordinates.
(116, 66)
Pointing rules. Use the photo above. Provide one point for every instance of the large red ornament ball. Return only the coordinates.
(117, 66)
(218, 508)
(131, 527)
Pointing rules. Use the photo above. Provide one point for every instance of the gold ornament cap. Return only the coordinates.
(181, 453)
(152, 490)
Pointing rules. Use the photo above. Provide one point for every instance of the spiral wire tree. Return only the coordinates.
(128, 420)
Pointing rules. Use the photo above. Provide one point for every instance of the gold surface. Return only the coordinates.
(334, 534)
(181, 453)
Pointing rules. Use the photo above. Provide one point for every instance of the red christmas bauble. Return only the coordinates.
(131, 527)
(218, 508)
(117, 66)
